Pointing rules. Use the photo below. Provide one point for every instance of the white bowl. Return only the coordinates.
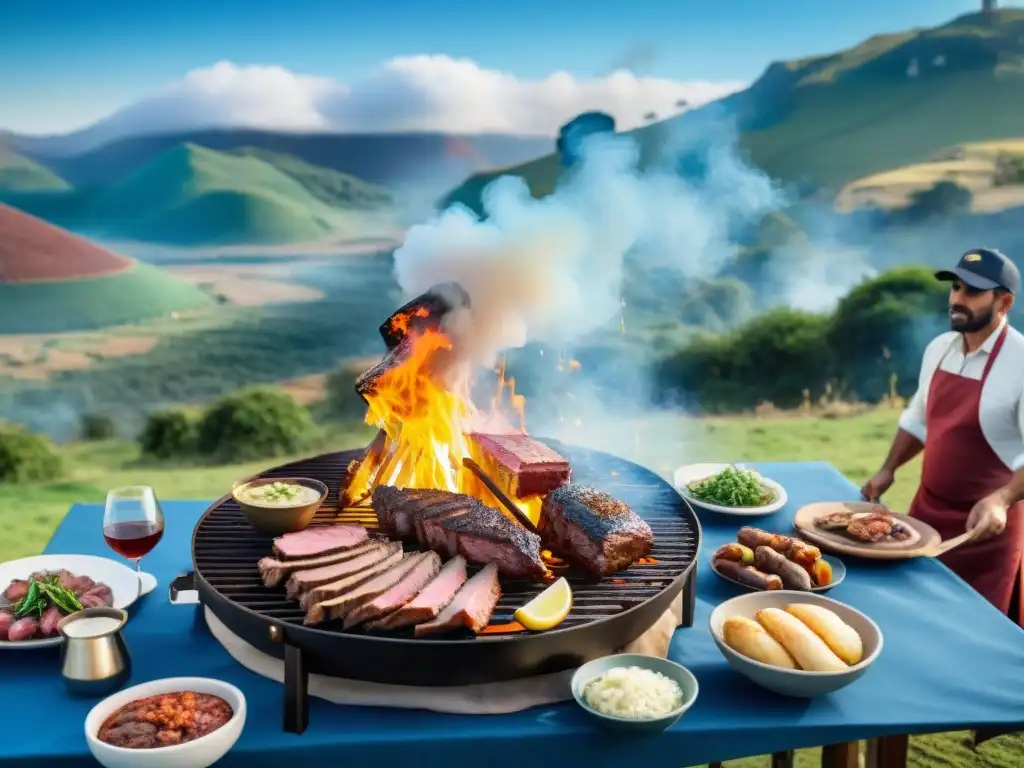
(795, 682)
(691, 472)
(201, 753)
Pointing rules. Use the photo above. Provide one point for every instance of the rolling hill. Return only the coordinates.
(386, 159)
(21, 174)
(190, 195)
(825, 121)
(52, 281)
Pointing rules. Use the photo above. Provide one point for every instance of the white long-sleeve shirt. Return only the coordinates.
(1002, 397)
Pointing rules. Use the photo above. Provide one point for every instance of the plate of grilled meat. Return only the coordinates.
(864, 529)
(436, 564)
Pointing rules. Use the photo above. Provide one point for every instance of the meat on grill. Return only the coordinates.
(347, 601)
(484, 535)
(320, 540)
(431, 600)
(333, 589)
(303, 581)
(596, 532)
(522, 465)
(399, 594)
(274, 571)
(395, 507)
(472, 607)
(456, 524)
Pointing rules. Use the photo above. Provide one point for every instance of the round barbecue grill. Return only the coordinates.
(605, 616)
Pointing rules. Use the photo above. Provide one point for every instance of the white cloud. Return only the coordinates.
(423, 93)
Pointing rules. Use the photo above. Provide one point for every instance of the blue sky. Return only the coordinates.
(67, 64)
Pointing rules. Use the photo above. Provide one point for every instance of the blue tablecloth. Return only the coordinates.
(950, 661)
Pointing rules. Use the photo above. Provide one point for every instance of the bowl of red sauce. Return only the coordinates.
(177, 722)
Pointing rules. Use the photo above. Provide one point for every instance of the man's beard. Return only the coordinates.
(970, 322)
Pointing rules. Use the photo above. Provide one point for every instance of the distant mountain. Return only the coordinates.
(824, 121)
(388, 159)
(190, 195)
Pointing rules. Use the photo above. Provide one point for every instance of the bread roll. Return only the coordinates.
(837, 634)
(809, 650)
(749, 638)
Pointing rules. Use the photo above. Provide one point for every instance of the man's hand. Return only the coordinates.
(988, 517)
(877, 485)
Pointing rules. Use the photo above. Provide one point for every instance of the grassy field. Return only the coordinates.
(855, 444)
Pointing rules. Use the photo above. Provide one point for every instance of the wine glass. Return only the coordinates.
(133, 523)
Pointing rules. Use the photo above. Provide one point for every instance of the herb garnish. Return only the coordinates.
(732, 488)
(42, 594)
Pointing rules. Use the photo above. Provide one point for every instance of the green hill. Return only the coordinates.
(890, 101)
(20, 174)
(337, 189)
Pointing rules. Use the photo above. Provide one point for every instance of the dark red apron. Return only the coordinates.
(960, 468)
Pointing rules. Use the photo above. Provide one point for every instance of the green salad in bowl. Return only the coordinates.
(733, 487)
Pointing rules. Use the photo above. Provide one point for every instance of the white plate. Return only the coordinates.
(120, 578)
(691, 472)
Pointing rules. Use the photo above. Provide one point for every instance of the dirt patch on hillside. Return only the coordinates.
(37, 358)
(247, 286)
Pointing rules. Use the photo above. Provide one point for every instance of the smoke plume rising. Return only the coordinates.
(550, 271)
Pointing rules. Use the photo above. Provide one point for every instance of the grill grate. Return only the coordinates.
(226, 548)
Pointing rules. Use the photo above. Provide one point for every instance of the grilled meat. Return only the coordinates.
(340, 586)
(472, 606)
(522, 465)
(274, 571)
(395, 506)
(398, 595)
(484, 535)
(596, 532)
(305, 580)
(339, 607)
(431, 600)
(321, 540)
(876, 527)
(836, 521)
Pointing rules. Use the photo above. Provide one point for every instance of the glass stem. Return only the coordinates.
(138, 576)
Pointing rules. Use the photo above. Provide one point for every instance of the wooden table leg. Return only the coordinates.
(782, 759)
(714, 765)
(841, 755)
(888, 752)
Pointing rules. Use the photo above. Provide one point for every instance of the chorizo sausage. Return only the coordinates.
(792, 575)
(748, 575)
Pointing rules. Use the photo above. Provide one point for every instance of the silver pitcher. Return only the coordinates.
(94, 662)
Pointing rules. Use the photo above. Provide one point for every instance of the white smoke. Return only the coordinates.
(550, 271)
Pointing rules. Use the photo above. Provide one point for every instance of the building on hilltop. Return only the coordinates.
(572, 134)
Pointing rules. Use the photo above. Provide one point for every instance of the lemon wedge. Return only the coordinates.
(548, 609)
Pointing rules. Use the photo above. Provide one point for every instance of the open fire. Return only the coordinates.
(418, 396)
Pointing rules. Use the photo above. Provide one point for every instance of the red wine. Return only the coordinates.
(133, 540)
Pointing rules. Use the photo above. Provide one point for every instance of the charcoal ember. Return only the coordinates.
(424, 313)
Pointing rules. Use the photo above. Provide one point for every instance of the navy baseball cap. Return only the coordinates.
(984, 269)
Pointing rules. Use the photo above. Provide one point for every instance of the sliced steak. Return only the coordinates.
(16, 590)
(336, 588)
(274, 571)
(472, 606)
(592, 530)
(392, 506)
(48, 621)
(305, 580)
(399, 594)
(436, 536)
(339, 607)
(431, 600)
(522, 465)
(321, 540)
(485, 535)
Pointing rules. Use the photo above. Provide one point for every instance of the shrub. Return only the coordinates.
(253, 423)
(168, 434)
(881, 327)
(97, 426)
(774, 357)
(27, 457)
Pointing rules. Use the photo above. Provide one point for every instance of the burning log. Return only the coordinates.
(367, 380)
(424, 313)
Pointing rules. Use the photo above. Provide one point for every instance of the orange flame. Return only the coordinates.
(426, 419)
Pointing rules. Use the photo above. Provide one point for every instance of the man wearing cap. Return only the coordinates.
(968, 418)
